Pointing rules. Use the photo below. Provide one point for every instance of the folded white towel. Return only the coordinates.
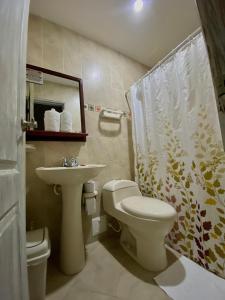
(66, 121)
(52, 120)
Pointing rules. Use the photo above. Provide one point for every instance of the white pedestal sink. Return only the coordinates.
(72, 256)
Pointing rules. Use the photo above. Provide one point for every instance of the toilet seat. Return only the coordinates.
(147, 208)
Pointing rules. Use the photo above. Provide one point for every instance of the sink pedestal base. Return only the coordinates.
(72, 256)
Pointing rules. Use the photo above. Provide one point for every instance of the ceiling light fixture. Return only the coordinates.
(138, 5)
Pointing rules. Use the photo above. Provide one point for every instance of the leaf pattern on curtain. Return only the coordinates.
(184, 168)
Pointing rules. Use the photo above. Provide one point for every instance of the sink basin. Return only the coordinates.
(72, 256)
(68, 176)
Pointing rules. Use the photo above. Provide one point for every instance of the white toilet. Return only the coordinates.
(145, 222)
(38, 251)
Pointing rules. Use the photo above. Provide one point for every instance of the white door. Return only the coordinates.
(13, 36)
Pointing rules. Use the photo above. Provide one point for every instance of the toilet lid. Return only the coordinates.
(38, 244)
(35, 237)
(148, 208)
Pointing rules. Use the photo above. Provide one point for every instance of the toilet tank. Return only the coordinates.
(116, 190)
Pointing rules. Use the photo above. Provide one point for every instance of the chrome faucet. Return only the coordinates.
(70, 162)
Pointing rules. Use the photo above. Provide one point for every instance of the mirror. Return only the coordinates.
(55, 102)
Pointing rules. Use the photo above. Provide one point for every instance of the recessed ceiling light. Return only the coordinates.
(138, 5)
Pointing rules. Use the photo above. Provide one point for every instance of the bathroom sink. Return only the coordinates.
(72, 256)
(68, 175)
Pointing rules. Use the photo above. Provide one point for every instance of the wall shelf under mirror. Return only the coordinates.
(60, 93)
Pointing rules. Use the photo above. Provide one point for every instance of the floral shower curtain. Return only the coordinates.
(179, 153)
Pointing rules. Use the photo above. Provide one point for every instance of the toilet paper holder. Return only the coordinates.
(89, 186)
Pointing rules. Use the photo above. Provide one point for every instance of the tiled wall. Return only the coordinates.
(106, 74)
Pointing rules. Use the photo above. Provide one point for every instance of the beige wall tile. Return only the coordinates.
(71, 53)
(35, 42)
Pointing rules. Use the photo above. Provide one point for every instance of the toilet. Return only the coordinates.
(38, 251)
(144, 221)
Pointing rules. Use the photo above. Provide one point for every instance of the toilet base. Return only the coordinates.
(149, 253)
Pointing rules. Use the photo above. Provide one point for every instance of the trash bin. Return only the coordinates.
(38, 251)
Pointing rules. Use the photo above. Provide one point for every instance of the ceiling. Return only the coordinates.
(146, 36)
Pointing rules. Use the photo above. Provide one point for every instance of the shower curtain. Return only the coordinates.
(179, 154)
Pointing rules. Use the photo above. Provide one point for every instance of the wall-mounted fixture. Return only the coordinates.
(108, 113)
(48, 91)
(138, 5)
(30, 148)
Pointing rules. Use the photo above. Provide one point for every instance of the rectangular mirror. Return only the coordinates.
(55, 101)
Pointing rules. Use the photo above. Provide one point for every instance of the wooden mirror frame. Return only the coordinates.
(41, 135)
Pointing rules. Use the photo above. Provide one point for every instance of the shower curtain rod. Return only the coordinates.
(190, 37)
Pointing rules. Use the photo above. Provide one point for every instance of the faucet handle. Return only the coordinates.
(74, 162)
(70, 162)
(64, 162)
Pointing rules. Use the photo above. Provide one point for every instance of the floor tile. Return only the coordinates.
(109, 274)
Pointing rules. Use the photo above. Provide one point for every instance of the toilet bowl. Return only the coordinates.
(38, 251)
(145, 222)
